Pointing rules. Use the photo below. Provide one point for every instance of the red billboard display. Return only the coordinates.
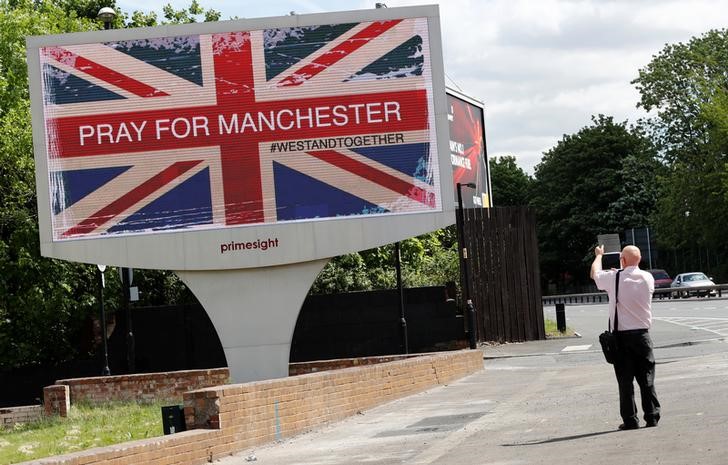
(467, 149)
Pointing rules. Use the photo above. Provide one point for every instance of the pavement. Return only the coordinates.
(541, 402)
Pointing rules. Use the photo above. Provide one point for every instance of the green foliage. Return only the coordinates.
(427, 260)
(17, 20)
(88, 9)
(189, 15)
(511, 185)
(678, 83)
(342, 274)
(44, 304)
(141, 19)
(687, 84)
(192, 14)
(596, 181)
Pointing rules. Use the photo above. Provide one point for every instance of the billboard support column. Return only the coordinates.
(254, 312)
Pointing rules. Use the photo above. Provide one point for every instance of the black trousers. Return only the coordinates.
(635, 361)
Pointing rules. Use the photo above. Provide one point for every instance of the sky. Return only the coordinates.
(541, 67)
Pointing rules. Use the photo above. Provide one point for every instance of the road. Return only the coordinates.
(698, 321)
(545, 402)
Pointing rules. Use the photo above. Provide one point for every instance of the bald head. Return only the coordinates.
(631, 256)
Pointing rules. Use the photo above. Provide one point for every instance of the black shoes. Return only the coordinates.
(650, 423)
(626, 426)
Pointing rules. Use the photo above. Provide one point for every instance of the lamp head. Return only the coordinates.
(106, 14)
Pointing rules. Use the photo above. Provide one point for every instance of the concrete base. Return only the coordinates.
(254, 312)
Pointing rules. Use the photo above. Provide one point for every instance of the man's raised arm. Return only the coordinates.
(597, 263)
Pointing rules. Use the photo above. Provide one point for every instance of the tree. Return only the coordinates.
(511, 185)
(87, 9)
(189, 15)
(686, 85)
(599, 180)
(678, 83)
(45, 305)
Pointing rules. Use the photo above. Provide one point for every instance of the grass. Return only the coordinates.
(552, 332)
(84, 428)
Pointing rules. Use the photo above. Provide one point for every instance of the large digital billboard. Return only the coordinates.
(240, 135)
(468, 154)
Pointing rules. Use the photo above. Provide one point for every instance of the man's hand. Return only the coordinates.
(597, 263)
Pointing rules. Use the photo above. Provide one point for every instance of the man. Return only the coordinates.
(635, 359)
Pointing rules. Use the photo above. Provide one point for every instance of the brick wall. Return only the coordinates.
(168, 385)
(142, 387)
(9, 416)
(302, 368)
(235, 417)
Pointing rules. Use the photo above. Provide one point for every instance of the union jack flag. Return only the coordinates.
(240, 128)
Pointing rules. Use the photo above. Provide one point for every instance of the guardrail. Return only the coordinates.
(663, 293)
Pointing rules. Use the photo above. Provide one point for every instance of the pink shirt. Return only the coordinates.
(635, 296)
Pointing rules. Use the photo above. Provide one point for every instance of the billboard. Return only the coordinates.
(468, 155)
(241, 143)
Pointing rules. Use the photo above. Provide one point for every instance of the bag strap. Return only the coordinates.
(616, 301)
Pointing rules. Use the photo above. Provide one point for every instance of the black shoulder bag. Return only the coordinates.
(608, 339)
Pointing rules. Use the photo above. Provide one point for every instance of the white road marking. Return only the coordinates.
(575, 348)
(717, 326)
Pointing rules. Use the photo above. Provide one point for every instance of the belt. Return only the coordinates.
(632, 331)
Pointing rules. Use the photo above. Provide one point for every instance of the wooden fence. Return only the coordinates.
(504, 273)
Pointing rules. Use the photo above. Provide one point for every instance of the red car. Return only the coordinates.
(662, 279)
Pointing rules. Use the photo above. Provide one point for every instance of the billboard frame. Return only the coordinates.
(300, 241)
(479, 104)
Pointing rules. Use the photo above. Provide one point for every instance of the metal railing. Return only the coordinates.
(664, 293)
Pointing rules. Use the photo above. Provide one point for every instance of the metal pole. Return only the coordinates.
(130, 350)
(402, 320)
(561, 317)
(466, 272)
(105, 371)
(649, 246)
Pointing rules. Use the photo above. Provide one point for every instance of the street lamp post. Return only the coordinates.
(107, 15)
(466, 270)
(105, 371)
